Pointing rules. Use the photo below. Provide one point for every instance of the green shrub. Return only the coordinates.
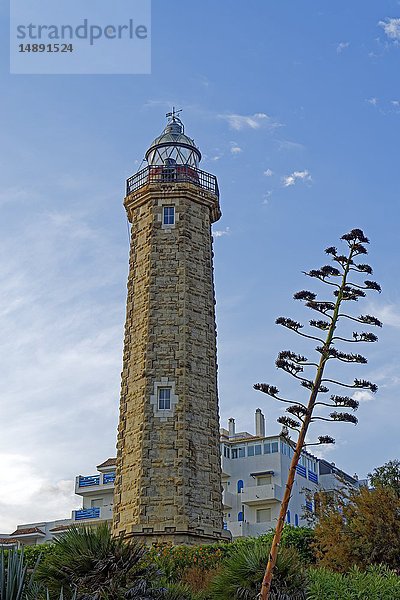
(96, 564)
(17, 579)
(376, 583)
(242, 573)
(174, 561)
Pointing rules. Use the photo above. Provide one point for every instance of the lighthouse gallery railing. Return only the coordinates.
(172, 174)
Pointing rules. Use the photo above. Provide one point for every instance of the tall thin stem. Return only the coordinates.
(266, 584)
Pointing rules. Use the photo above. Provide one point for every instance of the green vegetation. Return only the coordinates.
(377, 583)
(242, 572)
(359, 528)
(89, 564)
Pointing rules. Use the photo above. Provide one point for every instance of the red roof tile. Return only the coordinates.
(110, 462)
(28, 531)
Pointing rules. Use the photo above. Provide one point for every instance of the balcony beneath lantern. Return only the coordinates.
(170, 174)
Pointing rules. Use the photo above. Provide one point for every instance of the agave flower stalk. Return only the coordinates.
(340, 278)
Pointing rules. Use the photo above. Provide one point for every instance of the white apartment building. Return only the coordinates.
(254, 472)
(97, 501)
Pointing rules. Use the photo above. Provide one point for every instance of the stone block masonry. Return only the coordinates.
(168, 485)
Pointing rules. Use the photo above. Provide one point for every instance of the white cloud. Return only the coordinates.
(342, 46)
(389, 314)
(220, 232)
(391, 27)
(372, 101)
(62, 311)
(363, 396)
(235, 148)
(290, 180)
(289, 145)
(395, 103)
(239, 122)
(268, 173)
(267, 196)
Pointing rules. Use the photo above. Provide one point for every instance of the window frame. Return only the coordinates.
(168, 215)
(160, 400)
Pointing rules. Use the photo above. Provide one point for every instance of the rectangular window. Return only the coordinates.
(168, 215)
(164, 398)
(254, 450)
(274, 447)
(96, 502)
(264, 480)
(267, 448)
(263, 515)
(234, 453)
(242, 453)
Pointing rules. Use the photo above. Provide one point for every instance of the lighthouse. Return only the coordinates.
(168, 481)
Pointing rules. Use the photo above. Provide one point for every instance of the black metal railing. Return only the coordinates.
(172, 174)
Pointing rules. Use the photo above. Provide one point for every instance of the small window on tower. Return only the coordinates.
(164, 398)
(168, 215)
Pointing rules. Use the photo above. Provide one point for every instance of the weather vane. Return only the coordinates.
(173, 114)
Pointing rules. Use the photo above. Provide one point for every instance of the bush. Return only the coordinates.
(376, 583)
(96, 564)
(175, 561)
(242, 573)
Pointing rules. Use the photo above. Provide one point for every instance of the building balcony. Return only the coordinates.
(177, 173)
(103, 513)
(93, 484)
(260, 494)
(244, 529)
(228, 499)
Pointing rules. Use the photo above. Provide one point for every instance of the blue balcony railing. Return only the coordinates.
(108, 478)
(301, 470)
(87, 513)
(312, 476)
(90, 480)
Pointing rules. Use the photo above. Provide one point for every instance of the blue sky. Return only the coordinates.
(295, 107)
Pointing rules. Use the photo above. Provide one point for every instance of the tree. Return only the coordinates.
(359, 528)
(340, 278)
(387, 476)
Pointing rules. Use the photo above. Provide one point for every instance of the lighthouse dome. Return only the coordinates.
(173, 147)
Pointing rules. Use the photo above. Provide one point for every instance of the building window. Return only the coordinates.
(168, 215)
(164, 398)
(234, 453)
(241, 516)
(263, 515)
(274, 447)
(227, 452)
(267, 448)
(240, 486)
(288, 516)
(242, 453)
(296, 520)
(264, 480)
(254, 450)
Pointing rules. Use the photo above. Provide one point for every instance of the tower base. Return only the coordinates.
(176, 536)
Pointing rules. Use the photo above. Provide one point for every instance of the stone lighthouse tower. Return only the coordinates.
(168, 484)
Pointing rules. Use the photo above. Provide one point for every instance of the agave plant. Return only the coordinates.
(16, 582)
(242, 573)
